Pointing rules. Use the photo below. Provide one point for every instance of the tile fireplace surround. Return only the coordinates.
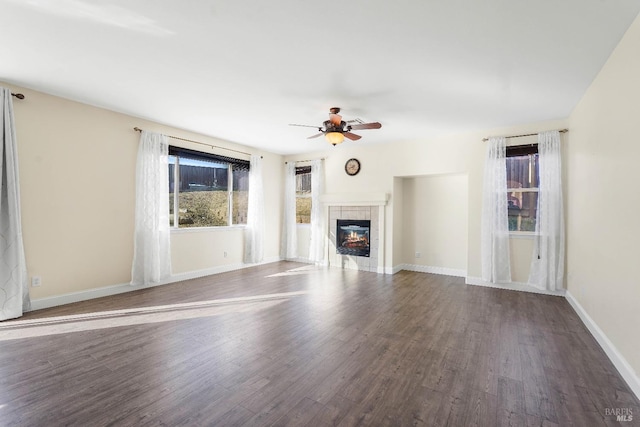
(361, 207)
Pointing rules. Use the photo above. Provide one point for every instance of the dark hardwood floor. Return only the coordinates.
(289, 344)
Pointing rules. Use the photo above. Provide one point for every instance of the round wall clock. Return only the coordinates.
(352, 167)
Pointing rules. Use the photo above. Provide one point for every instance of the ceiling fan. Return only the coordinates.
(335, 129)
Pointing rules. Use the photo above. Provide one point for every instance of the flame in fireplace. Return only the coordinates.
(353, 237)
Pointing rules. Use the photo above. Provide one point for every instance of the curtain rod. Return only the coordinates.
(527, 134)
(308, 160)
(17, 95)
(137, 129)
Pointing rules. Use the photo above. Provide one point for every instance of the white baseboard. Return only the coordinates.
(216, 270)
(393, 270)
(423, 269)
(301, 260)
(435, 270)
(513, 286)
(618, 360)
(48, 302)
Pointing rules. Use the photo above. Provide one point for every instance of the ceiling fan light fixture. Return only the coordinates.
(335, 130)
(334, 138)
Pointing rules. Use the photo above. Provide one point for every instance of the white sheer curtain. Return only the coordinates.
(14, 290)
(152, 253)
(289, 247)
(317, 243)
(496, 266)
(254, 232)
(547, 264)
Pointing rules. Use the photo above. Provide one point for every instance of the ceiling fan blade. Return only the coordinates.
(335, 118)
(304, 126)
(374, 125)
(352, 136)
(316, 135)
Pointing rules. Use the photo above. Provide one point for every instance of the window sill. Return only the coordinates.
(522, 235)
(206, 229)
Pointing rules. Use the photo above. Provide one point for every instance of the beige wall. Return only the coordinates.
(211, 247)
(602, 172)
(435, 221)
(400, 227)
(77, 187)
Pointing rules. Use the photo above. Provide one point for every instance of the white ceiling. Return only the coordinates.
(243, 70)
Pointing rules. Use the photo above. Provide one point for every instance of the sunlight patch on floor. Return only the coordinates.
(306, 270)
(141, 315)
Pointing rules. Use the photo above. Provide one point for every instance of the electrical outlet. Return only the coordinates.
(225, 254)
(36, 281)
(418, 254)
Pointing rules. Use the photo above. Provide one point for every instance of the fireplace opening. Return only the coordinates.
(352, 237)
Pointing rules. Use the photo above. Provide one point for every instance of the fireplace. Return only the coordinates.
(352, 237)
(356, 207)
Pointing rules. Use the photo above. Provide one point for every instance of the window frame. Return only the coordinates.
(520, 151)
(178, 152)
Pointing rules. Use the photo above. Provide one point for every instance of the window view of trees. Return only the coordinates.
(303, 195)
(206, 193)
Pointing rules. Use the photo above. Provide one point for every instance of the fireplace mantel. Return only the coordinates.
(355, 199)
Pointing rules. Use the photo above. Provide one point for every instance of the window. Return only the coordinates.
(303, 195)
(206, 190)
(522, 187)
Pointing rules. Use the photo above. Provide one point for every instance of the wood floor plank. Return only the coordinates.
(368, 409)
(481, 409)
(331, 412)
(511, 406)
(347, 367)
(537, 392)
(292, 344)
(303, 412)
(533, 421)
